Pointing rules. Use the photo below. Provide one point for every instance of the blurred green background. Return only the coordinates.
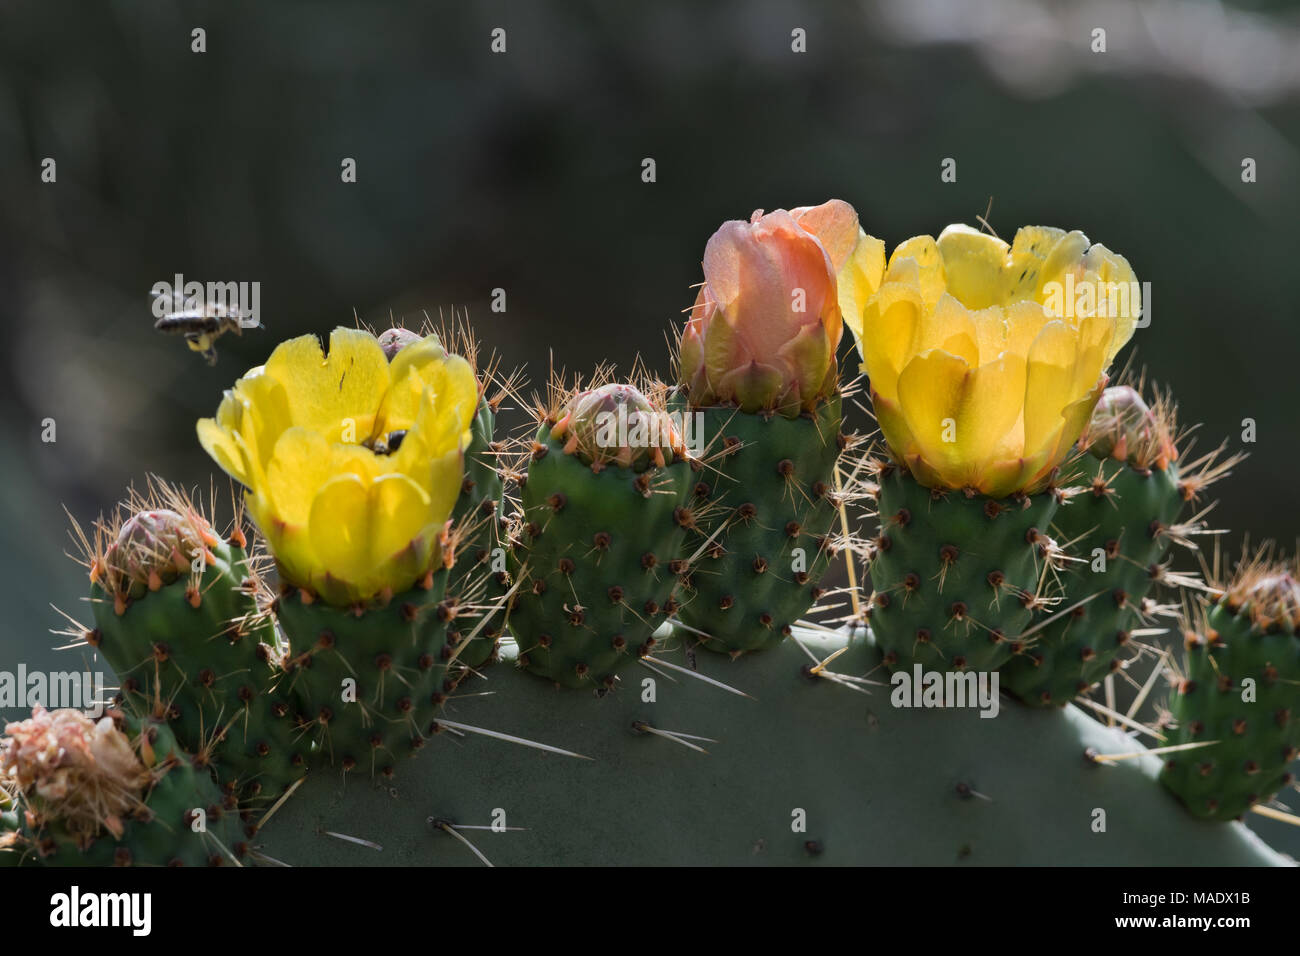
(522, 171)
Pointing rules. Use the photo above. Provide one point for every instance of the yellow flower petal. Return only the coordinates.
(859, 279)
(992, 407)
(889, 323)
(339, 529)
(1065, 256)
(948, 326)
(1050, 383)
(917, 260)
(412, 369)
(959, 415)
(457, 394)
(990, 332)
(1022, 273)
(984, 358)
(443, 481)
(1074, 418)
(1121, 290)
(1024, 321)
(265, 412)
(336, 395)
(434, 458)
(972, 265)
(340, 519)
(370, 535)
(302, 462)
(225, 451)
(418, 355)
(893, 425)
(931, 391)
(401, 520)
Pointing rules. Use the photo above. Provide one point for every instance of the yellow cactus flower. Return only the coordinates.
(352, 463)
(986, 359)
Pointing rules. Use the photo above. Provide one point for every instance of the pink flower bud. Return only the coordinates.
(766, 322)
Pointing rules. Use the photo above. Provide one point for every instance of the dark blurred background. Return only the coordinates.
(522, 171)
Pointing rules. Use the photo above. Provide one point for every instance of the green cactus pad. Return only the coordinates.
(876, 785)
(480, 492)
(163, 833)
(772, 479)
(200, 651)
(479, 512)
(953, 575)
(1124, 513)
(593, 563)
(367, 683)
(1255, 740)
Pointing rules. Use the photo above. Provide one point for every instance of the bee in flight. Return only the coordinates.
(202, 324)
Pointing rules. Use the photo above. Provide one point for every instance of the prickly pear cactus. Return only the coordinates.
(118, 792)
(178, 618)
(603, 524)
(370, 469)
(1239, 696)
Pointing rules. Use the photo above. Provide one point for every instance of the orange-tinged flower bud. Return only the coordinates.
(767, 320)
(153, 548)
(617, 424)
(1125, 428)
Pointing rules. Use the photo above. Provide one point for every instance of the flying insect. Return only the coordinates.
(202, 325)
